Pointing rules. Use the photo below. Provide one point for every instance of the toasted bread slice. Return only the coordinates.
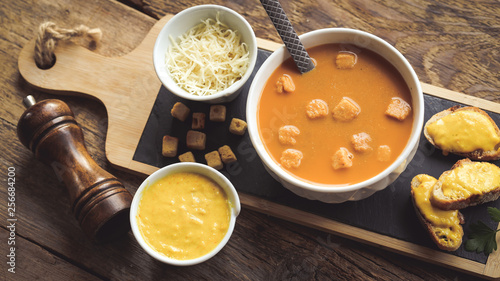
(444, 227)
(467, 184)
(462, 136)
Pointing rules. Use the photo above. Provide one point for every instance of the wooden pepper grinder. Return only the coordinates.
(99, 201)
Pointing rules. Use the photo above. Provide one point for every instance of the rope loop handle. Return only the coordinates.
(48, 36)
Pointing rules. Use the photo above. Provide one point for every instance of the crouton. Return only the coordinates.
(237, 126)
(169, 146)
(398, 109)
(187, 157)
(291, 158)
(346, 110)
(316, 108)
(287, 134)
(346, 60)
(342, 159)
(180, 111)
(213, 160)
(196, 140)
(198, 121)
(285, 84)
(383, 153)
(361, 142)
(227, 154)
(217, 113)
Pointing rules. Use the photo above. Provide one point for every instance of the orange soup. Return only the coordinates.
(341, 123)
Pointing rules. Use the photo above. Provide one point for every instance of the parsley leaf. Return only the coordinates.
(482, 238)
(494, 213)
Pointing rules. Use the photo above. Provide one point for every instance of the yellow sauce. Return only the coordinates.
(446, 223)
(471, 179)
(432, 214)
(184, 215)
(464, 131)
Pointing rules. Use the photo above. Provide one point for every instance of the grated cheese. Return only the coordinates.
(208, 58)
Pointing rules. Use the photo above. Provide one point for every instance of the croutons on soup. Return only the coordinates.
(398, 109)
(287, 134)
(290, 158)
(361, 142)
(346, 60)
(346, 110)
(342, 103)
(317, 108)
(342, 159)
(285, 84)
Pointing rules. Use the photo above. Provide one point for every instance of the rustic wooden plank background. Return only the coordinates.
(452, 45)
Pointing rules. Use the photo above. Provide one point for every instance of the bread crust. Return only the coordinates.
(439, 200)
(474, 155)
(431, 229)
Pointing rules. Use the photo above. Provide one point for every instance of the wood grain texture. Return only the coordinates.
(118, 82)
(450, 44)
(36, 262)
(262, 247)
(75, 65)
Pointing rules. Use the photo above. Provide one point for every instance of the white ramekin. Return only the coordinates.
(225, 184)
(180, 24)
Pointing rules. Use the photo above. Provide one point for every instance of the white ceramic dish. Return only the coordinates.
(232, 195)
(331, 193)
(184, 21)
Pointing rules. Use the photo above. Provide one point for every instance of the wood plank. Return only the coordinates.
(261, 248)
(116, 41)
(125, 126)
(453, 45)
(459, 97)
(32, 262)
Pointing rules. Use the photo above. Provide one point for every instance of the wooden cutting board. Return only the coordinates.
(128, 88)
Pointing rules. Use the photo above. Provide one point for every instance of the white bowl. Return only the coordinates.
(335, 193)
(184, 21)
(232, 195)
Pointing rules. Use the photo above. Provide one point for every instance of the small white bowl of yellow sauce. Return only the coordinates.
(184, 214)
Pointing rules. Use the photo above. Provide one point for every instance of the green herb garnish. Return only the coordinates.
(482, 238)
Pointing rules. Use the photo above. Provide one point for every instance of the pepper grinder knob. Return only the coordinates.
(98, 200)
(29, 101)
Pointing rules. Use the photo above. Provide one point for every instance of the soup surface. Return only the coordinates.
(184, 215)
(341, 123)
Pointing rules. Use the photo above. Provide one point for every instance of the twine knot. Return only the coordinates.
(48, 36)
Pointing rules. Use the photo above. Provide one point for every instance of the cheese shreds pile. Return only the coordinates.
(208, 58)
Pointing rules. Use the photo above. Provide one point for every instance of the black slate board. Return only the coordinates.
(388, 212)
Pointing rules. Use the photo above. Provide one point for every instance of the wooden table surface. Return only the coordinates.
(451, 44)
